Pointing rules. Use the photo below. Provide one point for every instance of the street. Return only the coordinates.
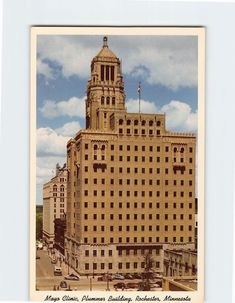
(45, 279)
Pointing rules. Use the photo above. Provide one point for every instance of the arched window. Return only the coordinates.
(120, 121)
(103, 147)
(175, 150)
(108, 101)
(150, 123)
(136, 122)
(102, 100)
(113, 100)
(95, 147)
(143, 123)
(158, 123)
(128, 122)
(182, 150)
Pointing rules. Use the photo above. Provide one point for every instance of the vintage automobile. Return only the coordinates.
(72, 277)
(63, 284)
(118, 277)
(119, 285)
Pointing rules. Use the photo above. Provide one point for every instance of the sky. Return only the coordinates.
(166, 66)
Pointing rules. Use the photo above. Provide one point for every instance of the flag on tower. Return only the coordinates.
(138, 90)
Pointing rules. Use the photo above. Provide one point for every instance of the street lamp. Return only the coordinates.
(107, 281)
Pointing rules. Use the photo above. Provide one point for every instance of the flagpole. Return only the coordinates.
(139, 95)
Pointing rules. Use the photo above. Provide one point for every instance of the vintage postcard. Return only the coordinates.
(117, 164)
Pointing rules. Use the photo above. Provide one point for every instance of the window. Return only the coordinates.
(87, 253)
(86, 266)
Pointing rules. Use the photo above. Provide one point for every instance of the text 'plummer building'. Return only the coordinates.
(131, 183)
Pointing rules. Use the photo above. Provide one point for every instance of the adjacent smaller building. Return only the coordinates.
(54, 203)
(180, 263)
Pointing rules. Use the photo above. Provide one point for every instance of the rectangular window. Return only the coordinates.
(102, 72)
(107, 72)
(112, 73)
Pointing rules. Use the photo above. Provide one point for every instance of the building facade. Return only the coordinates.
(54, 203)
(131, 182)
(181, 263)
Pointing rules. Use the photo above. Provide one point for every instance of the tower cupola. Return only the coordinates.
(105, 89)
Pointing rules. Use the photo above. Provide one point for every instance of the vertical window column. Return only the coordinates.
(107, 72)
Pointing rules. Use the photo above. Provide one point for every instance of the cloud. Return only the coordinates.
(69, 129)
(44, 69)
(72, 107)
(167, 60)
(49, 142)
(145, 106)
(179, 115)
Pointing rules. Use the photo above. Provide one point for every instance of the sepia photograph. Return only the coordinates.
(117, 163)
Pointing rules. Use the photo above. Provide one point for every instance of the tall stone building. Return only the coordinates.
(131, 183)
(54, 203)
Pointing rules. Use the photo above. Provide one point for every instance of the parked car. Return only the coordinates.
(63, 284)
(72, 277)
(136, 276)
(105, 278)
(53, 260)
(128, 276)
(118, 277)
(40, 246)
(57, 271)
(132, 285)
(120, 285)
